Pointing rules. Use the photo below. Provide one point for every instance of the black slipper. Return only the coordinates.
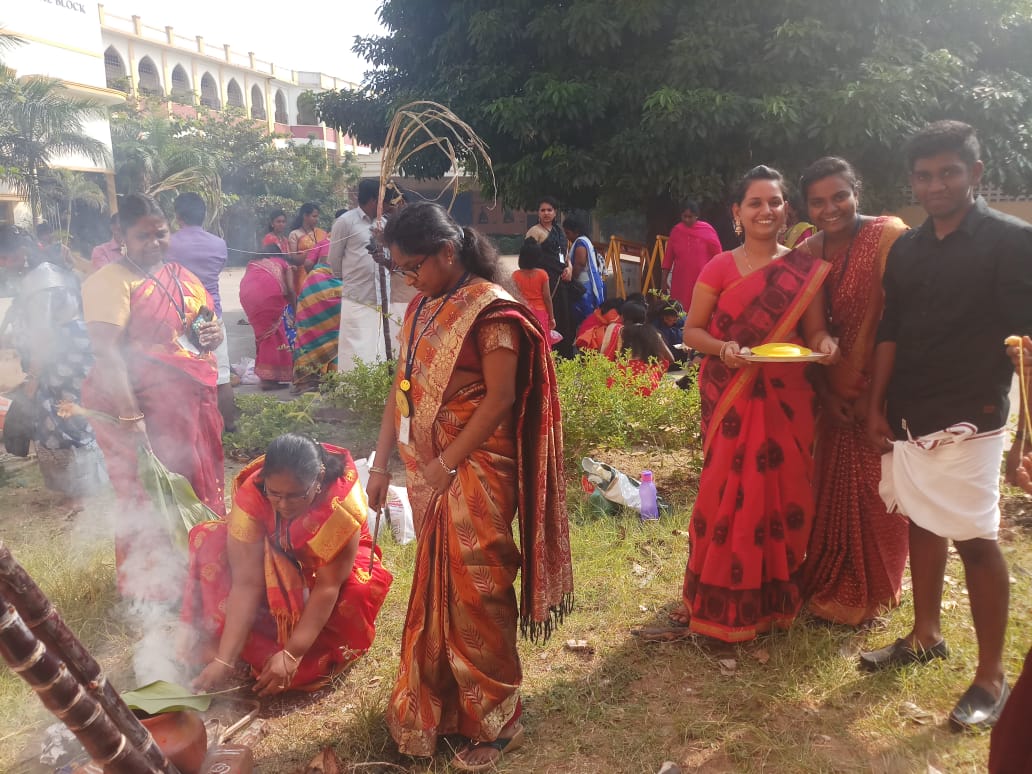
(978, 709)
(900, 653)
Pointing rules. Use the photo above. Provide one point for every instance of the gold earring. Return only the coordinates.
(738, 227)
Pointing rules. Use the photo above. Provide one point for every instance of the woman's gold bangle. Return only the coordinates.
(450, 471)
(131, 420)
(381, 471)
(218, 660)
(293, 658)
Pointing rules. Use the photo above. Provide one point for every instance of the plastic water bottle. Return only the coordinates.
(649, 508)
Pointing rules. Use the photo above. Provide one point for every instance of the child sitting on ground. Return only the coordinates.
(532, 284)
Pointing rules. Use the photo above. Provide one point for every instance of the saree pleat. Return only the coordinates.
(752, 517)
(858, 550)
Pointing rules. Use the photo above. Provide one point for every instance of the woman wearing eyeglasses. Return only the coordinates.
(474, 414)
(291, 583)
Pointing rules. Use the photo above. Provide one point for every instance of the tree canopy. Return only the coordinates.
(231, 161)
(637, 103)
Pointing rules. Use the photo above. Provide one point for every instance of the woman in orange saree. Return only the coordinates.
(305, 236)
(291, 584)
(154, 377)
(475, 415)
(752, 516)
(858, 550)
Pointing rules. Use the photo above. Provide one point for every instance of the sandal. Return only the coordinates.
(501, 745)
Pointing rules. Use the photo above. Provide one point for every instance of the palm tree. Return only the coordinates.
(39, 123)
(69, 189)
(153, 155)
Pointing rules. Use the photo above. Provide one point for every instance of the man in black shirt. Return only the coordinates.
(955, 288)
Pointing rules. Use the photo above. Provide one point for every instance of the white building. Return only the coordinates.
(104, 57)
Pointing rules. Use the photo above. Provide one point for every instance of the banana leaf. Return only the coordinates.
(174, 498)
(161, 696)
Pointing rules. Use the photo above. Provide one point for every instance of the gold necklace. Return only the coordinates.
(748, 260)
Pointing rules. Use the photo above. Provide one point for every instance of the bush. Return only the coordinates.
(597, 416)
(360, 394)
(265, 417)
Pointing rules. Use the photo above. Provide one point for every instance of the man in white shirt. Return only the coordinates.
(361, 324)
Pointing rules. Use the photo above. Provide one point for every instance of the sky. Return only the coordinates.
(307, 36)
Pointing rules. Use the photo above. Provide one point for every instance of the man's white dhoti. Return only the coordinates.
(222, 356)
(361, 335)
(947, 482)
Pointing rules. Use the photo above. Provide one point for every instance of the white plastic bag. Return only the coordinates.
(244, 368)
(615, 486)
(402, 526)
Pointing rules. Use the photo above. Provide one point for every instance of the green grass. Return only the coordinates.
(628, 706)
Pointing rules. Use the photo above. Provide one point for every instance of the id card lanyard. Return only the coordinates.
(403, 396)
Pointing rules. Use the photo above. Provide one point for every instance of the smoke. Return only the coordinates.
(152, 573)
(151, 577)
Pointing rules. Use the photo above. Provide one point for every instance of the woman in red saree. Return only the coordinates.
(154, 377)
(854, 565)
(277, 236)
(753, 513)
(291, 584)
(267, 296)
(474, 413)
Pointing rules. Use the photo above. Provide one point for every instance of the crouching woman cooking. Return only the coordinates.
(291, 583)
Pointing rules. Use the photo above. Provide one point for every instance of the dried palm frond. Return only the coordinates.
(424, 124)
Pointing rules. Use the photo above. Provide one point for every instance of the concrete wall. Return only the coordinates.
(63, 42)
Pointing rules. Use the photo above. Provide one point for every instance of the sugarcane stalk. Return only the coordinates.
(66, 697)
(42, 618)
(384, 310)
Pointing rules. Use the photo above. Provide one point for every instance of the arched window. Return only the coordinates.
(306, 109)
(281, 108)
(180, 82)
(210, 92)
(234, 97)
(114, 70)
(257, 103)
(150, 82)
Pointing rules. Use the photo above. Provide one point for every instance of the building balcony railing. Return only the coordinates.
(167, 36)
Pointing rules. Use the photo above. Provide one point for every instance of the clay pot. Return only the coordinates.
(181, 736)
